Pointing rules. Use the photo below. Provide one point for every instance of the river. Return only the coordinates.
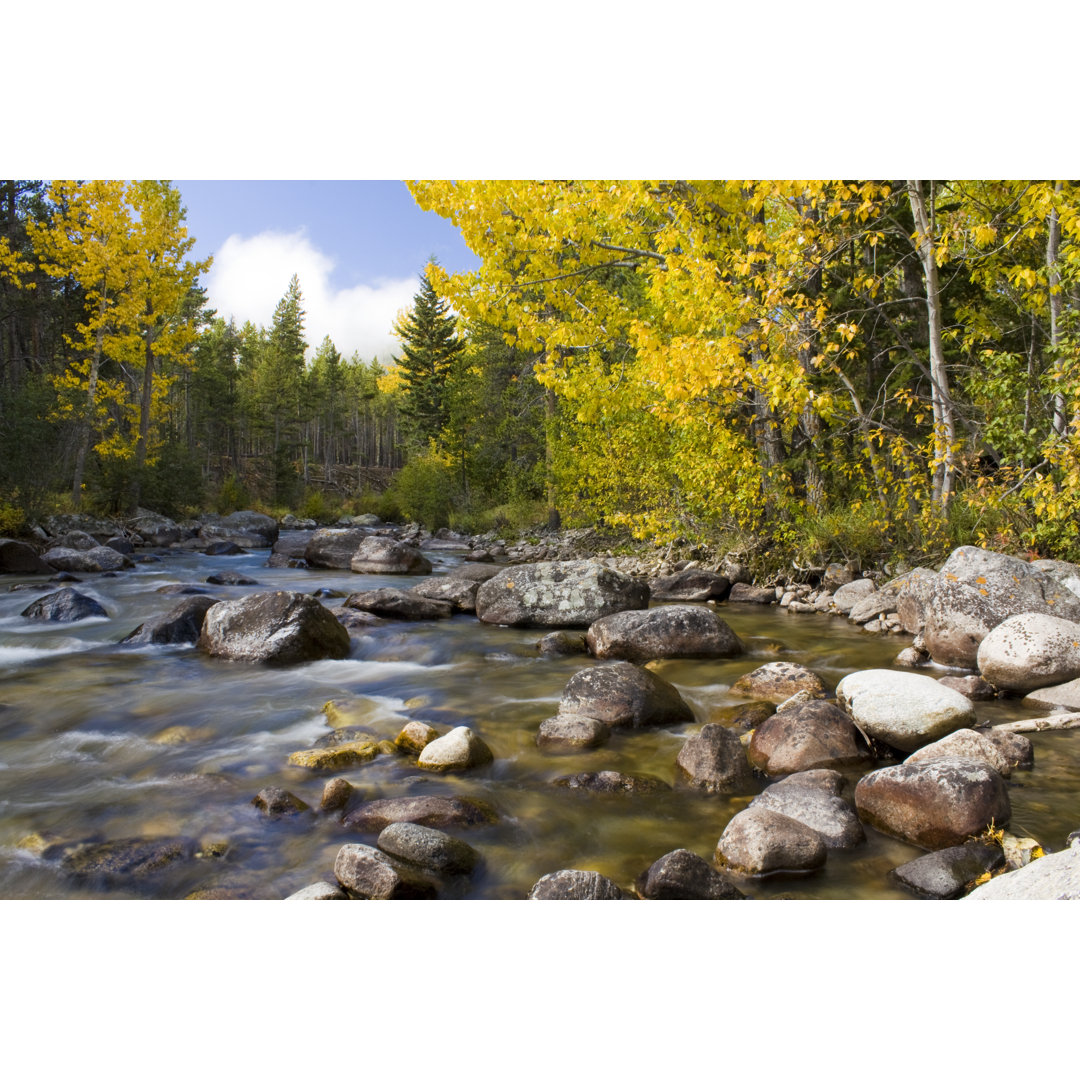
(106, 742)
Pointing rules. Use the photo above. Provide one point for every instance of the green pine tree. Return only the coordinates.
(429, 346)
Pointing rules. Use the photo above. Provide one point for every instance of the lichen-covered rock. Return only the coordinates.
(847, 596)
(568, 734)
(366, 873)
(277, 802)
(435, 811)
(95, 560)
(64, 605)
(399, 604)
(933, 804)
(744, 593)
(814, 735)
(1064, 573)
(1053, 877)
(156, 529)
(901, 708)
(344, 755)
(332, 549)
(460, 593)
(812, 799)
(611, 782)
(575, 885)
(948, 873)
(274, 628)
(758, 841)
(713, 760)
(964, 744)
(777, 681)
(682, 875)
(460, 748)
(415, 736)
(1018, 750)
(248, 528)
(384, 555)
(429, 849)
(19, 558)
(620, 694)
(558, 594)
(973, 687)
(695, 584)
(180, 625)
(562, 643)
(671, 631)
(1029, 651)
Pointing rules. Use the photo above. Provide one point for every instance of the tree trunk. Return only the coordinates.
(1053, 245)
(145, 404)
(86, 428)
(941, 403)
(554, 518)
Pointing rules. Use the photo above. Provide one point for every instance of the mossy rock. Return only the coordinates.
(179, 734)
(347, 712)
(343, 756)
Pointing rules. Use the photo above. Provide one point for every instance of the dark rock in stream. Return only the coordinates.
(180, 625)
(366, 873)
(758, 841)
(667, 632)
(224, 547)
(458, 592)
(620, 694)
(399, 604)
(93, 561)
(751, 594)
(427, 848)
(230, 577)
(336, 795)
(328, 549)
(64, 605)
(182, 589)
(575, 885)
(682, 875)
(478, 572)
(247, 528)
(609, 782)
(277, 802)
(275, 628)
(19, 558)
(691, 585)
(814, 735)
(435, 811)
(562, 643)
(136, 857)
(947, 874)
(713, 760)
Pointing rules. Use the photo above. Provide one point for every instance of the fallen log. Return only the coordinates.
(1057, 722)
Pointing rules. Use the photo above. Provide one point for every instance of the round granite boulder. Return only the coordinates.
(671, 631)
(713, 760)
(778, 681)
(620, 694)
(575, 885)
(384, 555)
(682, 875)
(758, 841)
(814, 735)
(1029, 651)
(64, 605)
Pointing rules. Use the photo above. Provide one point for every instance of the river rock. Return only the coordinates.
(847, 596)
(131, 857)
(399, 604)
(156, 529)
(365, 873)
(223, 547)
(1019, 751)
(414, 736)
(477, 572)
(460, 748)
(758, 841)
(384, 555)
(933, 804)
(19, 558)
(275, 628)
(575, 885)
(427, 848)
(713, 760)
(973, 687)
(1053, 877)
(743, 593)
(338, 755)
(777, 681)
(611, 782)
(913, 591)
(1064, 573)
(568, 734)
(901, 708)
(121, 544)
(337, 793)
(180, 625)
(879, 602)
(948, 873)
(966, 743)
(693, 584)
(64, 605)
(671, 631)
(277, 802)
(620, 694)
(815, 735)
(332, 549)
(95, 560)
(814, 801)
(558, 594)
(77, 540)
(977, 590)
(562, 643)
(459, 592)
(247, 528)
(320, 890)
(1066, 695)
(435, 811)
(682, 875)
(1029, 651)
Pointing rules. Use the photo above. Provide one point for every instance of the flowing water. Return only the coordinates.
(103, 742)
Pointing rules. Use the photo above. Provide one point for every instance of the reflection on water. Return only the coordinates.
(101, 742)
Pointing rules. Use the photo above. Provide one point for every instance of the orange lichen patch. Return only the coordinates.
(980, 581)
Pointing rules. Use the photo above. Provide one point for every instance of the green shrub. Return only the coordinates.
(231, 496)
(12, 519)
(424, 491)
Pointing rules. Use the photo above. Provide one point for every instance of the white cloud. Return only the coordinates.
(251, 274)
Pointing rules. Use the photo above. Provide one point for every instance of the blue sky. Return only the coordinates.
(357, 247)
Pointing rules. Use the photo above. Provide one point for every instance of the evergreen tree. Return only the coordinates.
(429, 346)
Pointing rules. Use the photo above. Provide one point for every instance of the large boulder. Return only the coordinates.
(429, 849)
(675, 630)
(384, 555)
(682, 875)
(247, 528)
(815, 735)
(812, 798)
(777, 681)
(1064, 573)
(558, 594)
(933, 804)
(966, 743)
(913, 592)
(19, 558)
(132, 857)
(575, 885)
(64, 605)
(1029, 651)
(459, 592)
(620, 694)
(901, 708)
(1053, 877)
(156, 529)
(180, 625)
(275, 628)
(332, 549)
(692, 584)
(713, 760)
(399, 604)
(847, 596)
(977, 590)
(366, 873)
(758, 841)
(95, 560)
(744, 593)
